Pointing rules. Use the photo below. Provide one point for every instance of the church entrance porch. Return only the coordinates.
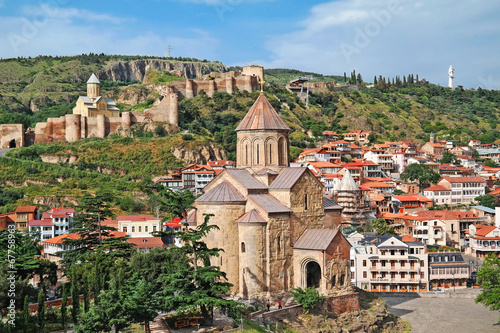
(313, 274)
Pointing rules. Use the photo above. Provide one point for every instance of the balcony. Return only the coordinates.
(408, 268)
(448, 276)
(396, 280)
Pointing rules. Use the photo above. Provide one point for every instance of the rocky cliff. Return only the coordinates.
(136, 70)
(199, 155)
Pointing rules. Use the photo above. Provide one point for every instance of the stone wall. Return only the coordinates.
(342, 303)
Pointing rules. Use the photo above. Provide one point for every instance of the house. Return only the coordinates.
(378, 156)
(138, 225)
(144, 244)
(220, 164)
(456, 224)
(400, 161)
(466, 161)
(55, 245)
(330, 135)
(380, 186)
(391, 264)
(313, 155)
(44, 227)
(490, 153)
(173, 182)
(23, 214)
(463, 189)
(439, 194)
(413, 202)
(430, 232)
(447, 270)
(196, 176)
(484, 240)
(61, 219)
(359, 136)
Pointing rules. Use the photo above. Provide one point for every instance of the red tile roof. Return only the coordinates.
(136, 218)
(483, 230)
(41, 223)
(146, 242)
(26, 209)
(60, 239)
(464, 179)
(436, 188)
(411, 197)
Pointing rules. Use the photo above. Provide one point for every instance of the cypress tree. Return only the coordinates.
(26, 315)
(75, 297)
(41, 310)
(64, 308)
(86, 297)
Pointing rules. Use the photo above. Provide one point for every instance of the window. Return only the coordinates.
(242, 247)
(422, 263)
(402, 252)
(402, 264)
(140, 229)
(352, 263)
(133, 229)
(364, 263)
(124, 229)
(422, 275)
(279, 244)
(364, 275)
(258, 155)
(270, 155)
(154, 228)
(383, 263)
(392, 252)
(305, 201)
(146, 229)
(342, 279)
(334, 279)
(352, 275)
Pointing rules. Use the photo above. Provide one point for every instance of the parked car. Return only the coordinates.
(439, 290)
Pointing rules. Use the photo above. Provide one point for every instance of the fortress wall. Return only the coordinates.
(112, 124)
(58, 129)
(73, 127)
(43, 131)
(10, 135)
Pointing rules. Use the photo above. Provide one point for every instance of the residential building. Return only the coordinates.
(138, 225)
(378, 157)
(173, 182)
(484, 240)
(61, 219)
(144, 244)
(23, 215)
(430, 232)
(391, 264)
(359, 136)
(44, 227)
(447, 270)
(463, 189)
(491, 153)
(413, 202)
(53, 247)
(313, 155)
(220, 164)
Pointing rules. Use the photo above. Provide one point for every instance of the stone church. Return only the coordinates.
(277, 229)
(94, 104)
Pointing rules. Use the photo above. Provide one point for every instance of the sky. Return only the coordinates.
(373, 37)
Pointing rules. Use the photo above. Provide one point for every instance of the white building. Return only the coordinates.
(389, 264)
(483, 240)
(138, 225)
(61, 218)
(44, 227)
(431, 232)
(456, 190)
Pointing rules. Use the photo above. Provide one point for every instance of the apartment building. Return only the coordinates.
(447, 270)
(456, 190)
(391, 264)
(138, 225)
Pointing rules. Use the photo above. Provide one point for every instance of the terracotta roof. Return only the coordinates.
(287, 178)
(26, 209)
(110, 223)
(323, 164)
(252, 216)
(411, 197)
(220, 163)
(46, 223)
(315, 239)
(262, 116)
(269, 203)
(246, 179)
(378, 184)
(329, 204)
(483, 230)
(464, 179)
(224, 192)
(60, 239)
(436, 188)
(136, 218)
(446, 214)
(146, 241)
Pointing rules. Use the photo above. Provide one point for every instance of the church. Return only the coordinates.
(277, 229)
(94, 104)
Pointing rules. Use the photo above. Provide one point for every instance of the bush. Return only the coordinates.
(187, 137)
(160, 131)
(309, 298)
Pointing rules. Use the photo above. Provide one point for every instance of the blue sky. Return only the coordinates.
(387, 37)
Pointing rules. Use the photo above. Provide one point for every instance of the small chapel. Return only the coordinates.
(94, 104)
(277, 228)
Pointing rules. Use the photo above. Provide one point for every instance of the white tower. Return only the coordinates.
(451, 80)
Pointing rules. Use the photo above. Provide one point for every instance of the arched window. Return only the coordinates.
(270, 154)
(242, 247)
(246, 154)
(258, 155)
(140, 228)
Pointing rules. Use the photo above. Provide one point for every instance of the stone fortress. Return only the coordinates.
(96, 116)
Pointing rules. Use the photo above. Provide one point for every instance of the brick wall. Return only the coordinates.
(342, 303)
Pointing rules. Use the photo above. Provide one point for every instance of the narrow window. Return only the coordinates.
(342, 279)
(279, 244)
(246, 154)
(270, 155)
(364, 263)
(258, 155)
(146, 229)
(154, 228)
(305, 201)
(334, 278)
(133, 229)
(242, 248)
(140, 229)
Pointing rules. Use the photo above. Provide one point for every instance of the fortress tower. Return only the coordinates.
(262, 138)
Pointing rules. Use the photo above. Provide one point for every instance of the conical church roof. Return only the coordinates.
(262, 116)
(93, 79)
(347, 183)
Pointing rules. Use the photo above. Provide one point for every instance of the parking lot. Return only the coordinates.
(444, 314)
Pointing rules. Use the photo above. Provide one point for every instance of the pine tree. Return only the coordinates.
(64, 308)
(375, 80)
(86, 296)
(345, 78)
(41, 310)
(359, 79)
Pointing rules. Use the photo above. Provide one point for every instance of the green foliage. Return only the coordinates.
(420, 172)
(486, 200)
(41, 310)
(448, 158)
(64, 308)
(309, 298)
(489, 163)
(380, 226)
(489, 279)
(160, 131)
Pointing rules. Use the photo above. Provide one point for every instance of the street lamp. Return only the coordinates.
(454, 282)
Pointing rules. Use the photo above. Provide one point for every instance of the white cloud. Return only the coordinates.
(394, 38)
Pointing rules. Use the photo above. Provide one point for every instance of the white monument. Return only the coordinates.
(451, 81)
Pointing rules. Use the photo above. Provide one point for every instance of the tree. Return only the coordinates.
(64, 308)
(176, 203)
(489, 163)
(141, 303)
(75, 296)
(489, 278)
(309, 298)
(26, 315)
(420, 172)
(448, 157)
(199, 285)
(41, 310)
(381, 227)
(486, 200)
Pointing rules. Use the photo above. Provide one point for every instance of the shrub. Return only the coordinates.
(309, 298)
(187, 137)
